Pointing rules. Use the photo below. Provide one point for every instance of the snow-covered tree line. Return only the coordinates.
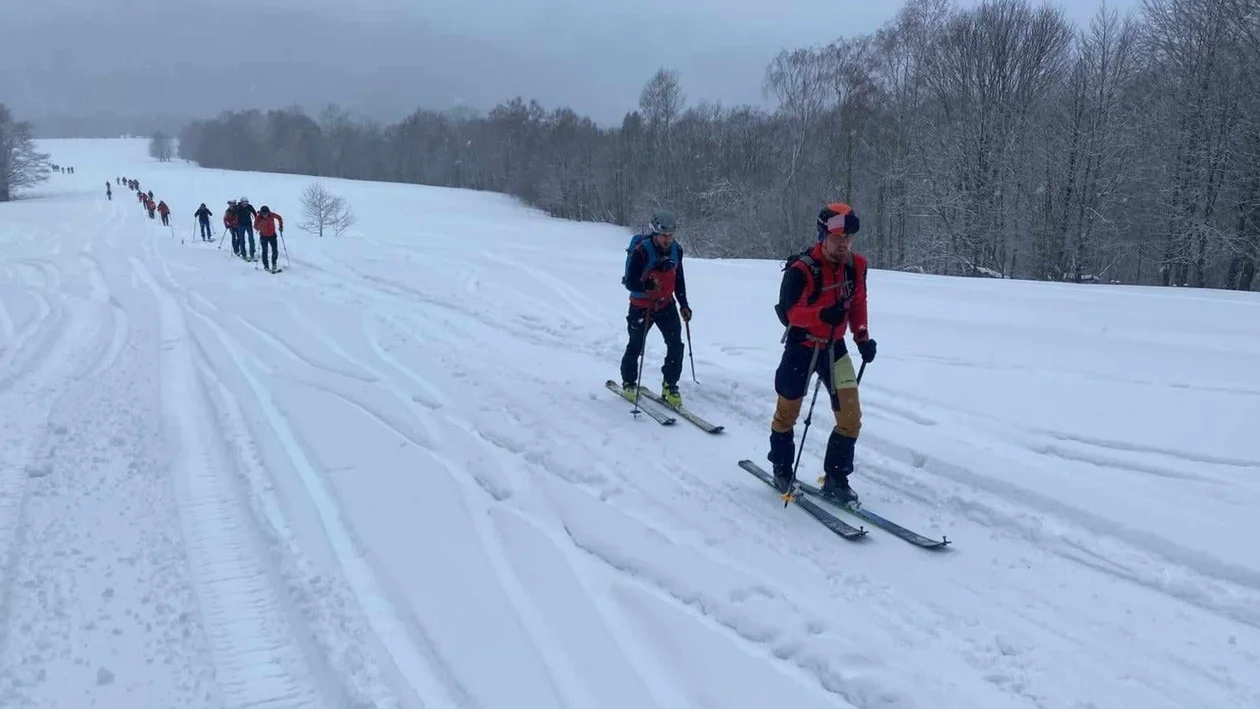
(998, 140)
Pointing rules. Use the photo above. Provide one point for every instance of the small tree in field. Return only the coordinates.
(21, 165)
(322, 210)
(160, 147)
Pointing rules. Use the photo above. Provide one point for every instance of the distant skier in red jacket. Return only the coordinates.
(266, 223)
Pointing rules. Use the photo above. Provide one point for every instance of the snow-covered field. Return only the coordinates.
(390, 476)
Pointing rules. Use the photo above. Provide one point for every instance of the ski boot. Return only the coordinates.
(783, 477)
(835, 489)
(629, 390)
(669, 392)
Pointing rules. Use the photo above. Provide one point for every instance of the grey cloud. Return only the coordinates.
(384, 58)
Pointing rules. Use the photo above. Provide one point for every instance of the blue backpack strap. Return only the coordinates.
(635, 242)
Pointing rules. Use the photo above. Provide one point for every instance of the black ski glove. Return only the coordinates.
(867, 349)
(833, 314)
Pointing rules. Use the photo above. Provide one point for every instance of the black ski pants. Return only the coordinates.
(205, 230)
(247, 228)
(637, 325)
(269, 241)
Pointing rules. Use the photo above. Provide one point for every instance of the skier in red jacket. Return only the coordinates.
(266, 223)
(823, 293)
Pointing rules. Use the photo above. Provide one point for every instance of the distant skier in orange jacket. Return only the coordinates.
(266, 223)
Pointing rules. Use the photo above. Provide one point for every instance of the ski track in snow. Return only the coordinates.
(390, 477)
(253, 647)
(83, 614)
(119, 325)
(1056, 527)
(389, 627)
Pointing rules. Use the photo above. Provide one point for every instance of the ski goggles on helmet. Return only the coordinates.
(835, 225)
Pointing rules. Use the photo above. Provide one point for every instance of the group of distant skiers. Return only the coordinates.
(822, 294)
(145, 199)
(240, 219)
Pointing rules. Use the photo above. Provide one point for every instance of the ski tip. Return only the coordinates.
(932, 544)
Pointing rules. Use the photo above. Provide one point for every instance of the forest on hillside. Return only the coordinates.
(997, 141)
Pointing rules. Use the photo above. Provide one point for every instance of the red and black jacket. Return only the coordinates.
(802, 298)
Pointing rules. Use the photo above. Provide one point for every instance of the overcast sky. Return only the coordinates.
(386, 57)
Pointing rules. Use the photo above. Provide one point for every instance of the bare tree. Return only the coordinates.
(798, 79)
(160, 147)
(849, 70)
(21, 165)
(1091, 154)
(991, 76)
(661, 102)
(322, 210)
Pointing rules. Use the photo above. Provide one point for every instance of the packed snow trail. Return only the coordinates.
(402, 448)
(132, 571)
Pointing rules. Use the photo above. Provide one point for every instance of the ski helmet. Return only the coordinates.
(663, 222)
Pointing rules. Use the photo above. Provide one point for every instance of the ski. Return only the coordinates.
(828, 520)
(879, 521)
(683, 412)
(661, 418)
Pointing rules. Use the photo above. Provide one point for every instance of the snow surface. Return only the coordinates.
(390, 476)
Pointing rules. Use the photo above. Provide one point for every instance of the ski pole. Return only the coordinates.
(288, 263)
(638, 389)
(809, 417)
(690, 354)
